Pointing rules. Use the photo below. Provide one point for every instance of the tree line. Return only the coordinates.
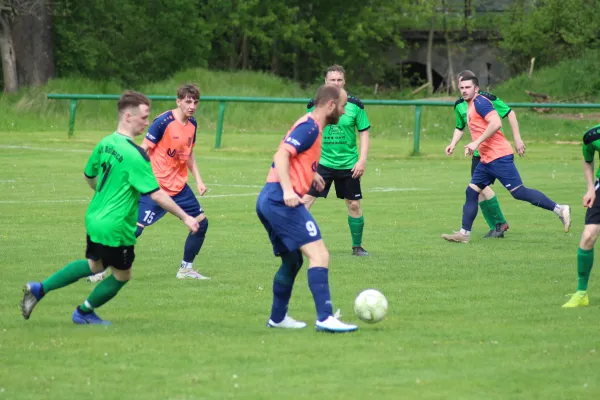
(134, 41)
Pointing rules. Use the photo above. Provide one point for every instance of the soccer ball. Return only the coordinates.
(371, 306)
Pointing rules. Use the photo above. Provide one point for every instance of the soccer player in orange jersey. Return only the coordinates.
(291, 228)
(497, 162)
(170, 145)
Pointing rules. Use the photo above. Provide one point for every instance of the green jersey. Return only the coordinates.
(124, 172)
(461, 107)
(591, 144)
(339, 141)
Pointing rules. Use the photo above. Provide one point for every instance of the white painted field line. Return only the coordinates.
(87, 200)
(7, 181)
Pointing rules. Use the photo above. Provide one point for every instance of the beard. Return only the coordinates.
(333, 118)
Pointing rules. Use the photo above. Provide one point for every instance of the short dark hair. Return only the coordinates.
(467, 75)
(335, 68)
(131, 99)
(326, 93)
(188, 90)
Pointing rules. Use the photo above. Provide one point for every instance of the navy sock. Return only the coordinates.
(470, 209)
(535, 197)
(318, 281)
(194, 242)
(283, 284)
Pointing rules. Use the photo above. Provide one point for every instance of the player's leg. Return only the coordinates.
(585, 255)
(490, 208)
(505, 170)
(186, 199)
(120, 259)
(348, 188)
(33, 292)
(291, 262)
(283, 283)
(327, 175)
(318, 282)
(480, 179)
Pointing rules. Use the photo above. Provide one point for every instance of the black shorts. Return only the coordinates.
(474, 161)
(118, 257)
(346, 187)
(592, 215)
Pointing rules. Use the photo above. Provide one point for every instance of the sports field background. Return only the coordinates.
(476, 321)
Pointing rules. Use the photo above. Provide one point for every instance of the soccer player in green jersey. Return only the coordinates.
(119, 172)
(341, 162)
(591, 201)
(488, 201)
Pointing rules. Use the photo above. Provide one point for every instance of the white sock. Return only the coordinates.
(186, 265)
(88, 305)
(464, 232)
(557, 209)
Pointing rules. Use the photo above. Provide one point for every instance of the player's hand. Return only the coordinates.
(318, 182)
(201, 188)
(191, 223)
(450, 149)
(359, 169)
(291, 199)
(470, 149)
(520, 146)
(589, 198)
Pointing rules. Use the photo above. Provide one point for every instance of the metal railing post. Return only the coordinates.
(72, 112)
(220, 124)
(417, 130)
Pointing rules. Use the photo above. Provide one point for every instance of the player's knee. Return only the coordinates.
(138, 231)
(520, 193)
(471, 193)
(96, 266)
(202, 227)
(320, 258)
(589, 236)
(122, 275)
(291, 263)
(353, 206)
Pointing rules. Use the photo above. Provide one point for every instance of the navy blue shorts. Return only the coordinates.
(288, 228)
(149, 212)
(503, 169)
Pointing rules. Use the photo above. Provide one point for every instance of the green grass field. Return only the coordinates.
(476, 321)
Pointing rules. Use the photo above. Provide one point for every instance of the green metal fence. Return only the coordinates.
(418, 104)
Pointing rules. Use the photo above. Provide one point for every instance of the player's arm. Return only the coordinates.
(514, 126)
(193, 167)
(92, 182)
(459, 129)
(506, 112)
(363, 125)
(588, 171)
(149, 150)
(456, 136)
(167, 203)
(282, 167)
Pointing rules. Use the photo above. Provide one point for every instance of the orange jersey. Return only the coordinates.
(303, 142)
(478, 116)
(171, 145)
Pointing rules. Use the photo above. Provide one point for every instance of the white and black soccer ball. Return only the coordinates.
(371, 306)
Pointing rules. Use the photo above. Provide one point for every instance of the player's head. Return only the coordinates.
(332, 100)
(466, 74)
(468, 84)
(335, 75)
(188, 97)
(134, 109)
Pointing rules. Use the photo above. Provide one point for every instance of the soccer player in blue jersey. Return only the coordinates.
(292, 230)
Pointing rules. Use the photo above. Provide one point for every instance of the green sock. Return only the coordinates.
(585, 262)
(485, 210)
(495, 211)
(356, 229)
(70, 273)
(106, 290)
